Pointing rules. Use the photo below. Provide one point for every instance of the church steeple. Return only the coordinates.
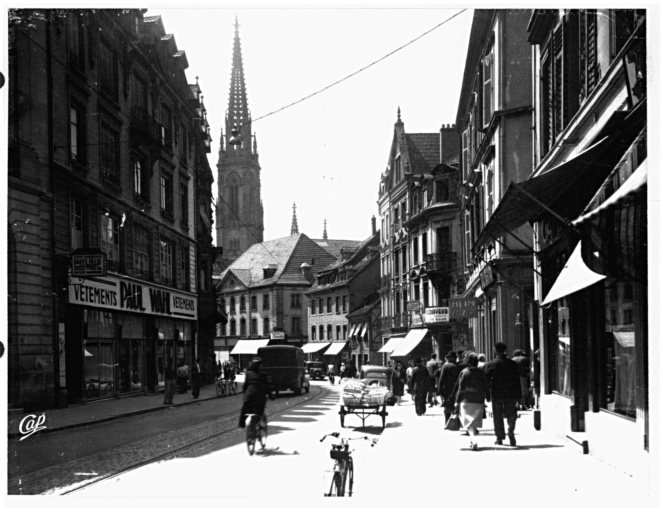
(238, 114)
(240, 214)
(294, 229)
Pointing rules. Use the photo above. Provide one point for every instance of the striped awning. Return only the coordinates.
(392, 344)
(249, 346)
(315, 346)
(335, 348)
(411, 341)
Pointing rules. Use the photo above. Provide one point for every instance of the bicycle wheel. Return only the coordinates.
(251, 435)
(337, 485)
(262, 433)
(351, 476)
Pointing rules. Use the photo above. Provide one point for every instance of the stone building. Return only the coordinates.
(107, 157)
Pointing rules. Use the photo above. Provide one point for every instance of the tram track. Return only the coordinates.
(73, 476)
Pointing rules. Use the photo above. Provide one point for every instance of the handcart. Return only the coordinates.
(363, 412)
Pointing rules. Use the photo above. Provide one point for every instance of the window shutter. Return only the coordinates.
(592, 62)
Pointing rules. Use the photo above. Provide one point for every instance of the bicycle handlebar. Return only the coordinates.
(337, 435)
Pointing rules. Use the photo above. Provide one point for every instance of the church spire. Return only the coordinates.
(238, 113)
(324, 233)
(294, 229)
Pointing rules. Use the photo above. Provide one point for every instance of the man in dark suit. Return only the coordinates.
(420, 382)
(503, 377)
(445, 384)
(196, 377)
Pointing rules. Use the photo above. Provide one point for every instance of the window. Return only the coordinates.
(77, 146)
(110, 155)
(345, 303)
(329, 305)
(296, 324)
(465, 156)
(166, 261)
(108, 77)
(425, 294)
(396, 218)
(185, 267)
(321, 306)
(295, 301)
(415, 250)
(405, 267)
(110, 238)
(242, 327)
(265, 301)
(490, 185)
(166, 128)
(167, 194)
(184, 204)
(141, 252)
(313, 332)
(254, 326)
(442, 190)
(265, 326)
(204, 273)
(76, 40)
(314, 303)
(76, 222)
(242, 304)
(321, 332)
(345, 331)
(424, 245)
(338, 305)
(233, 306)
(233, 327)
(329, 333)
(488, 66)
(141, 182)
(338, 332)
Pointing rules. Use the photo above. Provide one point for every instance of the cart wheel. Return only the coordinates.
(342, 414)
(384, 416)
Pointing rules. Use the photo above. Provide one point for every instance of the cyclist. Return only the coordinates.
(256, 390)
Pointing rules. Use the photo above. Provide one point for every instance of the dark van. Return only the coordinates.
(286, 367)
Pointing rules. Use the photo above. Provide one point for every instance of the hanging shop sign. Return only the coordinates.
(414, 305)
(125, 294)
(436, 315)
(277, 335)
(463, 307)
(88, 263)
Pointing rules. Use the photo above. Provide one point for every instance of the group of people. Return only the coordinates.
(176, 380)
(464, 388)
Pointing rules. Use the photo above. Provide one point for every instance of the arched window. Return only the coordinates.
(313, 332)
(321, 332)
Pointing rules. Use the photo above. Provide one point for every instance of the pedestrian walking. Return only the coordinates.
(331, 372)
(182, 377)
(432, 366)
(524, 367)
(196, 378)
(445, 385)
(398, 378)
(471, 398)
(482, 361)
(420, 381)
(408, 378)
(169, 381)
(503, 378)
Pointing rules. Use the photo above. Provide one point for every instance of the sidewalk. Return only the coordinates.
(435, 467)
(105, 410)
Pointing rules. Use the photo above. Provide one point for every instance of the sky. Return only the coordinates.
(326, 153)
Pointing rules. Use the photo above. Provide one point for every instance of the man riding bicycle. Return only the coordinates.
(256, 390)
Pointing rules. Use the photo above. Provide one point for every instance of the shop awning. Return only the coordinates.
(625, 338)
(353, 331)
(249, 346)
(392, 344)
(410, 342)
(526, 201)
(335, 348)
(574, 277)
(311, 348)
(364, 328)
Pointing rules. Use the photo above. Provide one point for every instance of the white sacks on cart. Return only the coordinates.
(356, 394)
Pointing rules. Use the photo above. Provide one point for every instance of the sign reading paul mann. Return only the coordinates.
(125, 294)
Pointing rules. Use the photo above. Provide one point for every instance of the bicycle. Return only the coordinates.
(343, 472)
(256, 428)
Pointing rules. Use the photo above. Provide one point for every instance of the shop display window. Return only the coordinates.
(560, 349)
(130, 363)
(99, 356)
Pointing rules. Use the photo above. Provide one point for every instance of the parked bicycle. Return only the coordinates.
(343, 471)
(225, 387)
(256, 429)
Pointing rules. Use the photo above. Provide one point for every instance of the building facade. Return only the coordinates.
(239, 221)
(107, 153)
(419, 231)
(495, 121)
(263, 295)
(340, 326)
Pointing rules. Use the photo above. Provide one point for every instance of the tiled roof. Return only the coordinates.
(334, 247)
(424, 151)
(286, 253)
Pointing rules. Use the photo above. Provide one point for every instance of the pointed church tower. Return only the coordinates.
(239, 221)
(294, 228)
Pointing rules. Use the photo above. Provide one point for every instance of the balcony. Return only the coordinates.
(144, 128)
(440, 263)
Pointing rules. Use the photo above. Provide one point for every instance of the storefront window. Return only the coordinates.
(561, 348)
(130, 362)
(99, 356)
(165, 347)
(619, 376)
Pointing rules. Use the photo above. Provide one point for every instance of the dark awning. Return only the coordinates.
(529, 199)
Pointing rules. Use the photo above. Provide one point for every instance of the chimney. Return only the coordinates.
(373, 225)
